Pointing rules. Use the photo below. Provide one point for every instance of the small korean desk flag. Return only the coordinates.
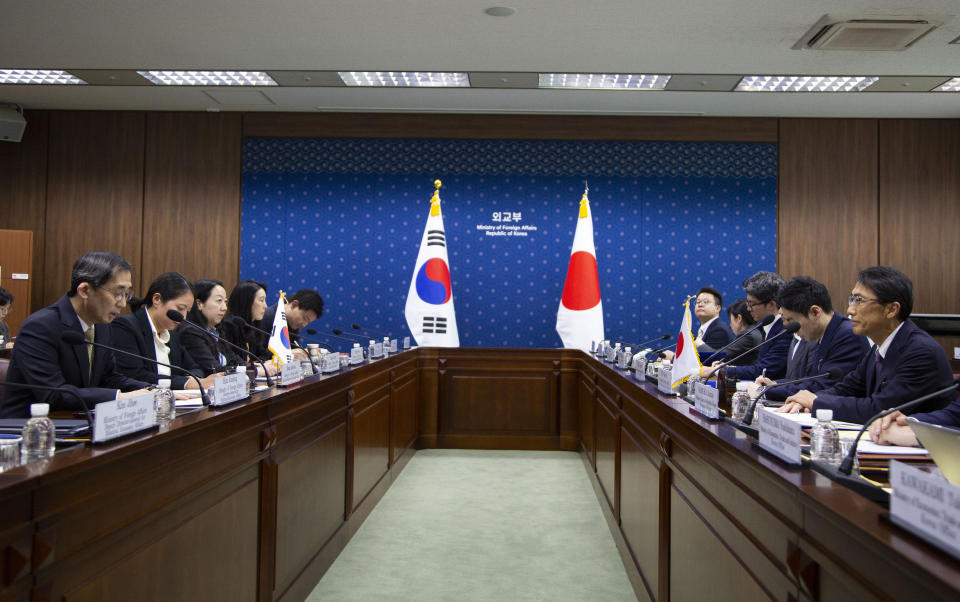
(580, 317)
(686, 363)
(279, 343)
(429, 310)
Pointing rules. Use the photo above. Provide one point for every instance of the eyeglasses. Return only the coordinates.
(752, 305)
(121, 295)
(859, 299)
(704, 302)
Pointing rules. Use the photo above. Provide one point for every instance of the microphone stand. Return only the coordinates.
(181, 320)
(86, 408)
(376, 332)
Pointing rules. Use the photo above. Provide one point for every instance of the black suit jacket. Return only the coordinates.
(772, 357)
(717, 336)
(205, 349)
(41, 358)
(236, 330)
(745, 340)
(915, 365)
(267, 324)
(133, 333)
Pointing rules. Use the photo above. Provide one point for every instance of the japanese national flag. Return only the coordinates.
(687, 361)
(580, 316)
(279, 342)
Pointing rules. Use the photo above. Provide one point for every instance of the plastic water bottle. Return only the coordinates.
(370, 350)
(39, 437)
(740, 402)
(386, 346)
(825, 439)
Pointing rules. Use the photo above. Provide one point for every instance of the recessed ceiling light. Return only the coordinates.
(410, 79)
(803, 83)
(604, 81)
(500, 11)
(208, 78)
(952, 85)
(38, 76)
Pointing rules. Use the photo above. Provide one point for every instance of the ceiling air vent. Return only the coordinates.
(867, 34)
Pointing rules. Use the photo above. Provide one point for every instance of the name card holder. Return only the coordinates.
(624, 360)
(394, 345)
(640, 368)
(115, 419)
(228, 389)
(356, 356)
(406, 342)
(665, 379)
(377, 350)
(291, 374)
(927, 505)
(779, 436)
(707, 401)
(330, 362)
(611, 355)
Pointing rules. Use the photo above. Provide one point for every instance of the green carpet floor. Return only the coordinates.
(482, 525)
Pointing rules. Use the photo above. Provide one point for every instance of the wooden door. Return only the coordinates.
(16, 273)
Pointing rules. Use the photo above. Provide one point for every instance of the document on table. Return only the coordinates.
(808, 420)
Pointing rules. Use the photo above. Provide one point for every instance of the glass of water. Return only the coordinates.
(9, 452)
(163, 400)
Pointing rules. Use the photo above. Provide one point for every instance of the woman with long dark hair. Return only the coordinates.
(150, 333)
(207, 348)
(246, 306)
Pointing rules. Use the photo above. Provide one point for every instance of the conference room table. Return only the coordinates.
(254, 501)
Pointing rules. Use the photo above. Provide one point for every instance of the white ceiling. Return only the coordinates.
(631, 36)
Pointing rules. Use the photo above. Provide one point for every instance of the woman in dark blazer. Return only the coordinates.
(740, 321)
(246, 306)
(206, 348)
(150, 333)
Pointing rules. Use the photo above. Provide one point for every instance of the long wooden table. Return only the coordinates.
(255, 501)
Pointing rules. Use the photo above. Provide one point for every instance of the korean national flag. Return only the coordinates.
(429, 310)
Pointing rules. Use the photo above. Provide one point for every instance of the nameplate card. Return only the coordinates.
(706, 400)
(640, 368)
(624, 360)
(291, 374)
(228, 389)
(356, 355)
(927, 505)
(665, 380)
(779, 435)
(330, 362)
(394, 346)
(124, 416)
(377, 350)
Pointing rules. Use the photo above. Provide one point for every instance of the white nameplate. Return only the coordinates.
(394, 345)
(229, 388)
(330, 362)
(779, 435)
(623, 359)
(356, 355)
(665, 379)
(123, 416)
(707, 400)
(16, 276)
(290, 374)
(406, 342)
(378, 350)
(927, 505)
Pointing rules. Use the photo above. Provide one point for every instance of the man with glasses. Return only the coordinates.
(100, 286)
(762, 289)
(904, 364)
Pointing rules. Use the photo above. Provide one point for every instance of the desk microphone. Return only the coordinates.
(847, 465)
(790, 328)
(662, 337)
(660, 351)
(833, 374)
(313, 332)
(86, 408)
(376, 332)
(361, 338)
(72, 337)
(766, 321)
(179, 319)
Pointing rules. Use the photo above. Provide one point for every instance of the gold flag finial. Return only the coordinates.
(584, 201)
(435, 199)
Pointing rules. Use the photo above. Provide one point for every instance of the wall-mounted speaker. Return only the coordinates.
(12, 124)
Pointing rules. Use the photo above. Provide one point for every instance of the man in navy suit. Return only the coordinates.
(713, 333)
(827, 337)
(906, 362)
(762, 289)
(100, 287)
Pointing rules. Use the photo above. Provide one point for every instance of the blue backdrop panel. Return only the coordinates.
(345, 216)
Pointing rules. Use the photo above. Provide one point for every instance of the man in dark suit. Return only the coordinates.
(713, 333)
(301, 308)
(827, 338)
(762, 289)
(906, 362)
(100, 287)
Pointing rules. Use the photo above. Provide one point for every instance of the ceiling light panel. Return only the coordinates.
(604, 81)
(38, 76)
(950, 86)
(208, 78)
(405, 79)
(803, 83)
